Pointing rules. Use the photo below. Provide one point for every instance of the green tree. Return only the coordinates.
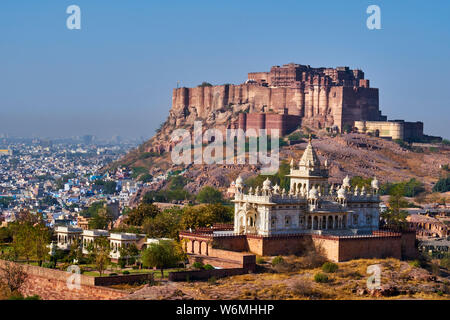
(165, 254)
(129, 253)
(205, 215)
(101, 219)
(209, 195)
(154, 196)
(42, 238)
(281, 178)
(164, 225)
(443, 185)
(23, 242)
(109, 187)
(101, 252)
(76, 251)
(146, 177)
(5, 202)
(5, 235)
(394, 216)
(93, 209)
(137, 216)
(361, 182)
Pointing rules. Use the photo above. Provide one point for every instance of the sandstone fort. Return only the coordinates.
(292, 95)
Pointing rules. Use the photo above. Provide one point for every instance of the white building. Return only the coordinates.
(118, 240)
(89, 237)
(66, 236)
(156, 240)
(311, 206)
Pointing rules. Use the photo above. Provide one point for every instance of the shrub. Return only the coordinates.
(277, 260)
(126, 272)
(415, 263)
(122, 263)
(305, 289)
(321, 278)
(435, 269)
(197, 265)
(443, 185)
(113, 274)
(313, 259)
(21, 297)
(329, 267)
(208, 267)
(445, 263)
(260, 260)
(49, 265)
(212, 280)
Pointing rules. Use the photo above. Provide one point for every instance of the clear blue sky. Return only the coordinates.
(116, 74)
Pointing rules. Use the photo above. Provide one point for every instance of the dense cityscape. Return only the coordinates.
(59, 178)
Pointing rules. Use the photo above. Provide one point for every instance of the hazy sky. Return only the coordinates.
(116, 74)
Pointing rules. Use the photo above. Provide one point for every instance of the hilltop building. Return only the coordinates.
(289, 96)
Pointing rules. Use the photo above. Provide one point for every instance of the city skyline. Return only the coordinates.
(115, 76)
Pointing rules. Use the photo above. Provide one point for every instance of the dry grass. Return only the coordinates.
(299, 284)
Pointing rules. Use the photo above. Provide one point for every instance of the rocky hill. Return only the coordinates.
(352, 154)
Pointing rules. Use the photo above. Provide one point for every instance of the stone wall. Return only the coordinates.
(329, 247)
(380, 244)
(283, 123)
(369, 247)
(121, 279)
(402, 130)
(205, 274)
(271, 246)
(52, 289)
(409, 249)
(51, 284)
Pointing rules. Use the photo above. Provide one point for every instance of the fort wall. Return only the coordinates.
(392, 129)
(380, 244)
(321, 97)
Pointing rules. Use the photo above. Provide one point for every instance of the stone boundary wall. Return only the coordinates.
(121, 279)
(214, 261)
(205, 274)
(367, 248)
(84, 280)
(51, 284)
(52, 273)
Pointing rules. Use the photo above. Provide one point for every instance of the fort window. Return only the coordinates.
(302, 222)
(273, 222)
(316, 223)
(287, 221)
(330, 222)
(355, 219)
